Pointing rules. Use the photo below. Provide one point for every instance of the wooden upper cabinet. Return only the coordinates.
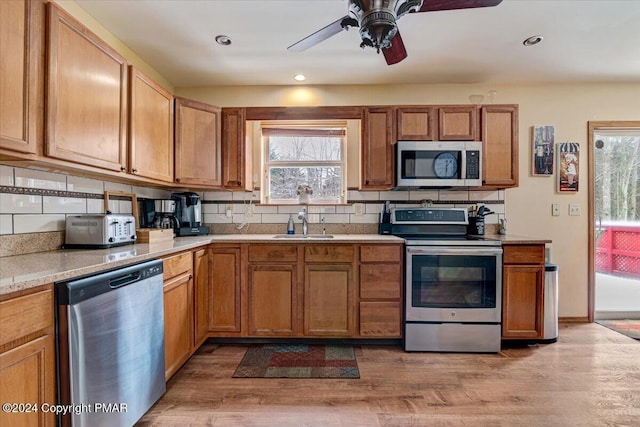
(416, 123)
(236, 151)
(22, 82)
(198, 157)
(458, 123)
(500, 146)
(150, 128)
(377, 148)
(86, 119)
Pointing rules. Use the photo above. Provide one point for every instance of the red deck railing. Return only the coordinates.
(618, 250)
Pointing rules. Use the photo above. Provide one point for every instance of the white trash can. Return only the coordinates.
(550, 333)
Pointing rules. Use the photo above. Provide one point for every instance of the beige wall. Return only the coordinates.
(528, 207)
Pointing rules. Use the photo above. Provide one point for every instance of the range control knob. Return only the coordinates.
(111, 239)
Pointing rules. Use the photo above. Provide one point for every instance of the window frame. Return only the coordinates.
(333, 129)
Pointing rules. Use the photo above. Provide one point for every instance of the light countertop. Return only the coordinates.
(21, 272)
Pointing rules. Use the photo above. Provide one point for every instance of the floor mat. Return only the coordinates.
(628, 327)
(298, 361)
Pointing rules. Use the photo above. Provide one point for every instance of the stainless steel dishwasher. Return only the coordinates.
(110, 345)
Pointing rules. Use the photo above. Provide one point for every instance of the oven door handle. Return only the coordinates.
(453, 251)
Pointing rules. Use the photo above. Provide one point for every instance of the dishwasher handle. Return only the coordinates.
(124, 280)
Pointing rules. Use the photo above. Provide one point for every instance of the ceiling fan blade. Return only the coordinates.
(396, 52)
(319, 36)
(435, 5)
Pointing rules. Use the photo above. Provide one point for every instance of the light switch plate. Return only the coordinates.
(555, 209)
(358, 209)
(574, 209)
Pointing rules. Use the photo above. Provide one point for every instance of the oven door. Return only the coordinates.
(453, 284)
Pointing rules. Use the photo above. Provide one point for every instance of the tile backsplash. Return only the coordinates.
(35, 201)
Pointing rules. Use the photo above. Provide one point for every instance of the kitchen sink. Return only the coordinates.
(302, 236)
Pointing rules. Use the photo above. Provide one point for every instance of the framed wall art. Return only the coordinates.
(568, 167)
(542, 155)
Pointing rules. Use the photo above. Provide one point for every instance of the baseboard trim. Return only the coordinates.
(573, 319)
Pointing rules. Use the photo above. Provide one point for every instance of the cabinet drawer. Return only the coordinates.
(25, 315)
(380, 280)
(380, 253)
(328, 253)
(523, 254)
(273, 253)
(380, 319)
(177, 264)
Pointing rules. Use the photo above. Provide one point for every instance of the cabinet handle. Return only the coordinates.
(134, 170)
(177, 179)
(123, 169)
(367, 182)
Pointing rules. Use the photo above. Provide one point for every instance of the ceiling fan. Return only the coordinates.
(377, 22)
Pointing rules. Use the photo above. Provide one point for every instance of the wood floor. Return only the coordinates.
(590, 377)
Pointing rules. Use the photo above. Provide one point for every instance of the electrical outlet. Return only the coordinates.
(228, 211)
(555, 209)
(358, 209)
(574, 209)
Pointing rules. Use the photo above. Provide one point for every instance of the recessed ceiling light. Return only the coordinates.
(533, 40)
(299, 77)
(223, 40)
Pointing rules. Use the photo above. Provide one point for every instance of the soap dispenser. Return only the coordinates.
(290, 229)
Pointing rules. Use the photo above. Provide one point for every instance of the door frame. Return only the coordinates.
(593, 126)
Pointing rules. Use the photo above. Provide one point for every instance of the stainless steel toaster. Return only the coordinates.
(99, 230)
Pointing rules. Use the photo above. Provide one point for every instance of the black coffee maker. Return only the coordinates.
(189, 214)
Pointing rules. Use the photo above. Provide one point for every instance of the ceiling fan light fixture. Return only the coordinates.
(223, 40)
(533, 40)
(299, 77)
(377, 28)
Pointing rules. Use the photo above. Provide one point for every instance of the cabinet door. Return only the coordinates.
(198, 154)
(416, 123)
(150, 128)
(201, 280)
(86, 96)
(237, 155)
(178, 322)
(377, 149)
(22, 82)
(380, 319)
(272, 299)
(523, 301)
(27, 375)
(224, 290)
(328, 300)
(458, 123)
(500, 145)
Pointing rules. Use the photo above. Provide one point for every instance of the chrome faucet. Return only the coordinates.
(305, 225)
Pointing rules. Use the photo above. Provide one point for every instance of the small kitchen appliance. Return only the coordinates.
(435, 164)
(189, 214)
(453, 282)
(157, 213)
(99, 231)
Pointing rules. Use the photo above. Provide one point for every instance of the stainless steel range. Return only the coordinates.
(453, 282)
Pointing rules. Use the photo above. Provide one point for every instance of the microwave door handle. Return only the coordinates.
(454, 251)
(463, 165)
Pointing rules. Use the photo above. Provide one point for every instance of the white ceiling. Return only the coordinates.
(584, 41)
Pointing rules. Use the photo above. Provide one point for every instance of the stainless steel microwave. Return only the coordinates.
(432, 164)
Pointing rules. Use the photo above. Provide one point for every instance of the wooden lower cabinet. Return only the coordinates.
(272, 299)
(523, 292)
(328, 300)
(178, 311)
(380, 296)
(27, 357)
(201, 279)
(224, 289)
